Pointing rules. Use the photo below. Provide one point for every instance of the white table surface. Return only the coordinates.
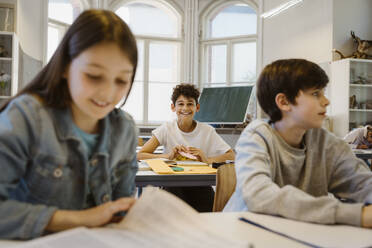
(321, 235)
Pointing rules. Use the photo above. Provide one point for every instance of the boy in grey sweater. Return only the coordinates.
(288, 165)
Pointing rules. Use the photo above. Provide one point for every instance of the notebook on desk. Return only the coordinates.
(188, 167)
(366, 151)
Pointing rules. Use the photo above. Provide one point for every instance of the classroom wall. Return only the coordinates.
(31, 23)
(313, 28)
(31, 27)
(294, 33)
(349, 15)
(304, 31)
(31, 31)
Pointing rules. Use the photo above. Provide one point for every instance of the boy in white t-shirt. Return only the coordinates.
(185, 134)
(189, 136)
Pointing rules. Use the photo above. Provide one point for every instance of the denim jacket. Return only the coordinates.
(45, 167)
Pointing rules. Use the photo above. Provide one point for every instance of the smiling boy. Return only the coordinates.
(187, 135)
(288, 166)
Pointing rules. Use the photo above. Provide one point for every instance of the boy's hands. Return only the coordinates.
(362, 147)
(175, 151)
(93, 217)
(198, 153)
(367, 216)
(191, 150)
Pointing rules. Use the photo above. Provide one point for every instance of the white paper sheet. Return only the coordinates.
(158, 219)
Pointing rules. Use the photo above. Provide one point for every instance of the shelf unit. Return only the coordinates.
(8, 64)
(351, 94)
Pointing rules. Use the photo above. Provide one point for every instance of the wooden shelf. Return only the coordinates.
(361, 85)
(344, 75)
(360, 110)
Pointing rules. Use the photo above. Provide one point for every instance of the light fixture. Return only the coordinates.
(280, 8)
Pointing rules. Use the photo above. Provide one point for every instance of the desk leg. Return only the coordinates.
(139, 191)
(367, 162)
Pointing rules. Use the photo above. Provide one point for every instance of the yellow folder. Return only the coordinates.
(160, 167)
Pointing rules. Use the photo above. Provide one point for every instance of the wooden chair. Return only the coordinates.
(225, 186)
(140, 141)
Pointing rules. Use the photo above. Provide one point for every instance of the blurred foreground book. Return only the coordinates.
(158, 219)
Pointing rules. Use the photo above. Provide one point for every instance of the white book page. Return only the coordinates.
(74, 238)
(159, 219)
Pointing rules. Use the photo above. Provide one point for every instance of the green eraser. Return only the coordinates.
(175, 168)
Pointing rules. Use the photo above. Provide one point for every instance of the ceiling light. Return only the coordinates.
(280, 8)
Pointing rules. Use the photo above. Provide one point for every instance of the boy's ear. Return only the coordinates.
(173, 107)
(282, 102)
(197, 107)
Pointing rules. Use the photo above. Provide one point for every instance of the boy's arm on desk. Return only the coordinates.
(149, 150)
(229, 155)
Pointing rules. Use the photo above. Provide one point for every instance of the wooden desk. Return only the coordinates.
(321, 235)
(145, 178)
(363, 155)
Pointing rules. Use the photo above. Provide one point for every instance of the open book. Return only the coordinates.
(158, 219)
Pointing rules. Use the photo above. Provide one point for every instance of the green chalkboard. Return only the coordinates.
(224, 105)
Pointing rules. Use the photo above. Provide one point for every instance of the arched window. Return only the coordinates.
(228, 48)
(61, 13)
(157, 27)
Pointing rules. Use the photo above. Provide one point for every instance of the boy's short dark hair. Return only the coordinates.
(287, 76)
(187, 90)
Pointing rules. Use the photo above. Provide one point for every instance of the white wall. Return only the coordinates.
(304, 31)
(31, 24)
(8, 1)
(349, 15)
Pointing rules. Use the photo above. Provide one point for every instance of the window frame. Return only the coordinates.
(192, 25)
(169, 7)
(61, 26)
(211, 11)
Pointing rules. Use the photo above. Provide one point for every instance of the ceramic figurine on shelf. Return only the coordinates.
(362, 80)
(353, 102)
(361, 49)
(3, 52)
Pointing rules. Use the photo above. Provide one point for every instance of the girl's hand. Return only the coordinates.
(93, 217)
(198, 153)
(103, 214)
